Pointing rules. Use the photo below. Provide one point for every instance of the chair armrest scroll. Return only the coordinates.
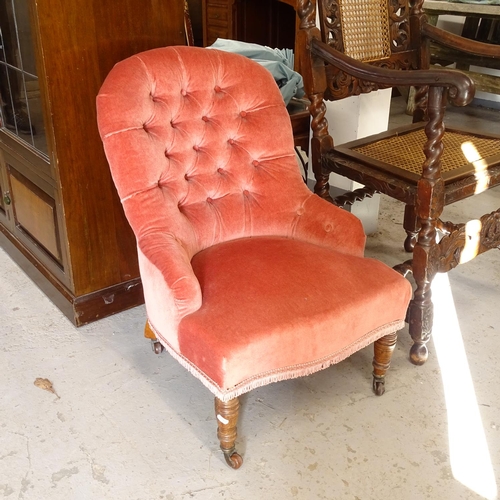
(461, 87)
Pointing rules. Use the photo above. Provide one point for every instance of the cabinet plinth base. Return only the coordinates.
(82, 309)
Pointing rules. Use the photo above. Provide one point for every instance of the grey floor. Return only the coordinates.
(127, 424)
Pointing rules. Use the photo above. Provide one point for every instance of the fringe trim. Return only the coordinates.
(280, 374)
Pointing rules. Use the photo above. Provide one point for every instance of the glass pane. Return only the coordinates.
(21, 110)
(8, 32)
(26, 55)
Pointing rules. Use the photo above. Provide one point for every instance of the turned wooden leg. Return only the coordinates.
(383, 349)
(320, 141)
(420, 318)
(155, 344)
(429, 207)
(227, 418)
(410, 225)
(322, 186)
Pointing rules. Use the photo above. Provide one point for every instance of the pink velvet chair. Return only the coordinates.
(229, 237)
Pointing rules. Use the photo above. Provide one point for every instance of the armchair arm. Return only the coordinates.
(460, 43)
(461, 87)
(167, 275)
(325, 224)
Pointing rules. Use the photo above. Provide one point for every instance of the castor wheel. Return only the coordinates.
(157, 347)
(378, 385)
(233, 459)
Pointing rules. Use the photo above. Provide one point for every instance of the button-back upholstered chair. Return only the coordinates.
(364, 45)
(229, 237)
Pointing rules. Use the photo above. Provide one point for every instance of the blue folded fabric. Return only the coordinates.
(278, 61)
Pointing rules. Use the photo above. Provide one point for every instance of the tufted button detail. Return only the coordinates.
(186, 176)
(145, 127)
(209, 200)
(328, 228)
(243, 114)
(246, 193)
(204, 118)
(172, 124)
(255, 163)
(217, 88)
(183, 93)
(300, 211)
(166, 154)
(196, 148)
(231, 141)
(220, 170)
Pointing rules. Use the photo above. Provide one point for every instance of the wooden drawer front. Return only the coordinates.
(214, 32)
(218, 15)
(35, 213)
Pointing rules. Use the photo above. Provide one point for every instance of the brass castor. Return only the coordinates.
(157, 347)
(233, 459)
(378, 385)
(418, 354)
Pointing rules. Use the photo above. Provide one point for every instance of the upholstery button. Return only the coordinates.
(167, 155)
(209, 200)
(243, 114)
(231, 141)
(183, 92)
(220, 170)
(196, 148)
(300, 211)
(172, 124)
(186, 176)
(217, 88)
(328, 228)
(204, 118)
(246, 193)
(255, 163)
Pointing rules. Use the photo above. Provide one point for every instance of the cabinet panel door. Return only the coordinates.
(35, 213)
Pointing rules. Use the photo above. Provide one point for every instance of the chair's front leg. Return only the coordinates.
(321, 141)
(429, 206)
(227, 419)
(410, 225)
(383, 349)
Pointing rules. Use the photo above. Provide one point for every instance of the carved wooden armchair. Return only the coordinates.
(229, 236)
(372, 44)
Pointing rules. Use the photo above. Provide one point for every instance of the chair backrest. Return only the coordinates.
(200, 146)
(380, 32)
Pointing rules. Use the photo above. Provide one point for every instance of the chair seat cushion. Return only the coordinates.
(276, 308)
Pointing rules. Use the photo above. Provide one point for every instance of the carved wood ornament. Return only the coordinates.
(340, 84)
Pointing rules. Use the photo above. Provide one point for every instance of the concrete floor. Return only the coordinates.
(128, 424)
